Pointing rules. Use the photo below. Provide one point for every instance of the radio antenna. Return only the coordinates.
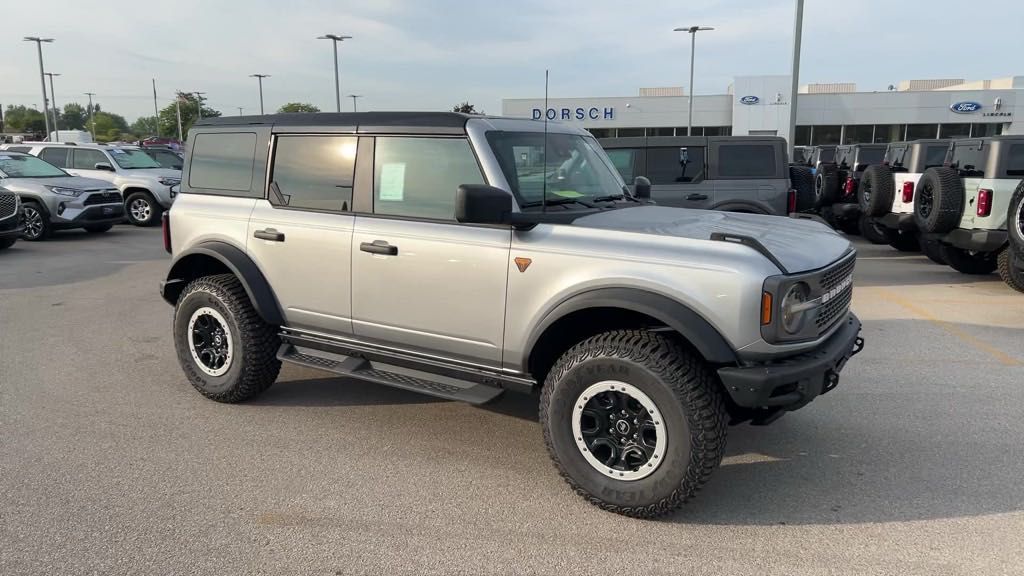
(544, 169)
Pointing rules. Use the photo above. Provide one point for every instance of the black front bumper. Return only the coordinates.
(904, 222)
(976, 240)
(792, 382)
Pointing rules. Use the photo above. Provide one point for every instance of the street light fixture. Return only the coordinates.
(260, 77)
(42, 79)
(692, 30)
(335, 38)
(353, 97)
(53, 102)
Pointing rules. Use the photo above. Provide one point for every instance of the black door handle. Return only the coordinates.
(697, 197)
(269, 234)
(379, 247)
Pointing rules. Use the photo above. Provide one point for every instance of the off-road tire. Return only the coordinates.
(876, 190)
(1015, 221)
(98, 228)
(964, 262)
(801, 179)
(1011, 269)
(46, 229)
(932, 249)
(904, 241)
(254, 366)
(6, 243)
(686, 393)
(872, 231)
(939, 200)
(155, 209)
(849, 226)
(826, 185)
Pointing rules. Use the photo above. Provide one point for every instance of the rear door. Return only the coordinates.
(58, 156)
(749, 175)
(679, 176)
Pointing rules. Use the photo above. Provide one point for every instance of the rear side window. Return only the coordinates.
(747, 161)
(222, 161)
(56, 156)
(418, 177)
(676, 165)
(86, 159)
(624, 160)
(315, 172)
(1015, 160)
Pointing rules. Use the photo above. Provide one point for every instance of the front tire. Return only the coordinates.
(1011, 269)
(872, 231)
(904, 241)
(965, 262)
(226, 350)
(37, 223)
(142, 209)
(932, 249)
(634, 421)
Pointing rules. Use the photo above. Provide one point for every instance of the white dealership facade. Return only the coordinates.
(826, 113)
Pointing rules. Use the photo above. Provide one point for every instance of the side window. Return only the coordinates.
(86, 159)
(675, 165)
(56, 156)
(222, 161)
(747, 161)
(624, 160)
(417, 177)
(1015, 160)
(315, 172)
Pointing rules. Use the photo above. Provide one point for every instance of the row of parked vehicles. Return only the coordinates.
(958, 201)
(58, 186)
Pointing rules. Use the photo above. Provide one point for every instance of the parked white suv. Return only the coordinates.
(143, 182)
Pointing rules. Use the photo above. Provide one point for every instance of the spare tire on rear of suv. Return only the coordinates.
(1015, 221)
(939, 200)
(826, 185)
(801, 179)
(876, 190)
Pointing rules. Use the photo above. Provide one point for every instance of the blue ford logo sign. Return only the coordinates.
(965, 107)
(748, 100)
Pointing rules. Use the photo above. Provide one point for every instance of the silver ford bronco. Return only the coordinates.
(462, 256)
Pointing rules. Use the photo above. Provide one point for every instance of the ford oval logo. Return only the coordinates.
(965, 107)
(749, 100)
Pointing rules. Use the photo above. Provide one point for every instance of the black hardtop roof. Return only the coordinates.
(391, 119)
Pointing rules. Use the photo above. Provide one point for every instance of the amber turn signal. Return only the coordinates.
(766, 308)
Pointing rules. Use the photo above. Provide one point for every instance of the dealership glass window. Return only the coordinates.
(418, 177)
(222, 161)
(803, 136)
(921, 131)
(315, 172)
(858, 134)
(697, 131)
(666, 165)
(624, 160)
(746, 161)
(983, 130)
(954, 131)
(888, 133)
(661, 131)
(718, 130)
(629, 132)
(600, 132)
(828, 134)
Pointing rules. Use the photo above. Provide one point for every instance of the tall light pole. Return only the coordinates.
(260, 77)
(335, 38)
(693, 44)
(798, 27)
(156, 112)
(92, 123)
(239, 110)
(199, 103)
(353, 97)
(42, 79)
(53, 103)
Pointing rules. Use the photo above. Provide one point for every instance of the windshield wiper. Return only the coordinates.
(557, 202)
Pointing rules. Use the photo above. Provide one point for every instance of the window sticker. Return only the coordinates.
(392, 182)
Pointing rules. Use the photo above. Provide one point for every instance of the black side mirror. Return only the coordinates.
(103, 166)
(642, 188)
(482, 204)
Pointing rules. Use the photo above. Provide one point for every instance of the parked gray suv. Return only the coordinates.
(462, 256)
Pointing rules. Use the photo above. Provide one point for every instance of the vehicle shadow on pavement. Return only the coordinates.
(337, 391)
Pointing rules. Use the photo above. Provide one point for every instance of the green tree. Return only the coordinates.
(145, 125)
(74, 117)
(466, 108)
(24, 119)
(108, 123)
(189, 114)
(297, 107)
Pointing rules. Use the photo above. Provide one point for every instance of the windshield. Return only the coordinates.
(166, 158)
(132, 159)
(576, 167)
(25, 166)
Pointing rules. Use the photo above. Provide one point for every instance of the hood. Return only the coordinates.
(799, 245)
(76, 182)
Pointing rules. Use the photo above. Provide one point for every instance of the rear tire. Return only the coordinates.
(872, 231)
(142, 209)
(876, 190)
(1011, 269)
(973, 263)
(98, 228)
(939, 200)
(682, 396)
(826, 185)
(802, 180)
(1015, 221)
(904, 241)
(933, 250)
(227, 351)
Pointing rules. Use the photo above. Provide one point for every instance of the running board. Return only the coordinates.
(389, 375)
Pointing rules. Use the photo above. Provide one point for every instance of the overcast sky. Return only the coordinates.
(432, 54)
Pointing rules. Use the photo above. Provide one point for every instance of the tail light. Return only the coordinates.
(165, 226)
(984, 202)
(848, 187)
(791, 201)
(908, 192)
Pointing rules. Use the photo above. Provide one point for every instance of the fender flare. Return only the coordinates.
(692, 326)
(735, 205)
(241, 265)
(33, 198)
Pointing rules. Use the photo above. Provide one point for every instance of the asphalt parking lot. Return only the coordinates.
(110, 463)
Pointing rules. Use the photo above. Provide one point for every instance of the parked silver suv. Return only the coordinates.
(462, 256)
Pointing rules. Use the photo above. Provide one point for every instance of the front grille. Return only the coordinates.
(837, 303)
(8, 205)
(102, 198)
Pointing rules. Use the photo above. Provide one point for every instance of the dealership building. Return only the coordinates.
(826, 113)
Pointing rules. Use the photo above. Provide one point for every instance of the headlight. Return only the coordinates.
(74, 193)
(169, 181)
(794, 307)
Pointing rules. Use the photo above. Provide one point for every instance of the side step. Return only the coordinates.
(390, 375)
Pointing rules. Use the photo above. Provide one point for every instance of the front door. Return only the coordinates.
(84, 161)
(421, 281)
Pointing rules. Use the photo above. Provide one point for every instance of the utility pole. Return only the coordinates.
(199, 103)
(798, 26)
(92, 123)
(260, 77)
(177, 108)
(335, 38)
(53, 102)
(42, 78)
(693, 45)
(239, 110)
(353, 97)
(156, 112)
